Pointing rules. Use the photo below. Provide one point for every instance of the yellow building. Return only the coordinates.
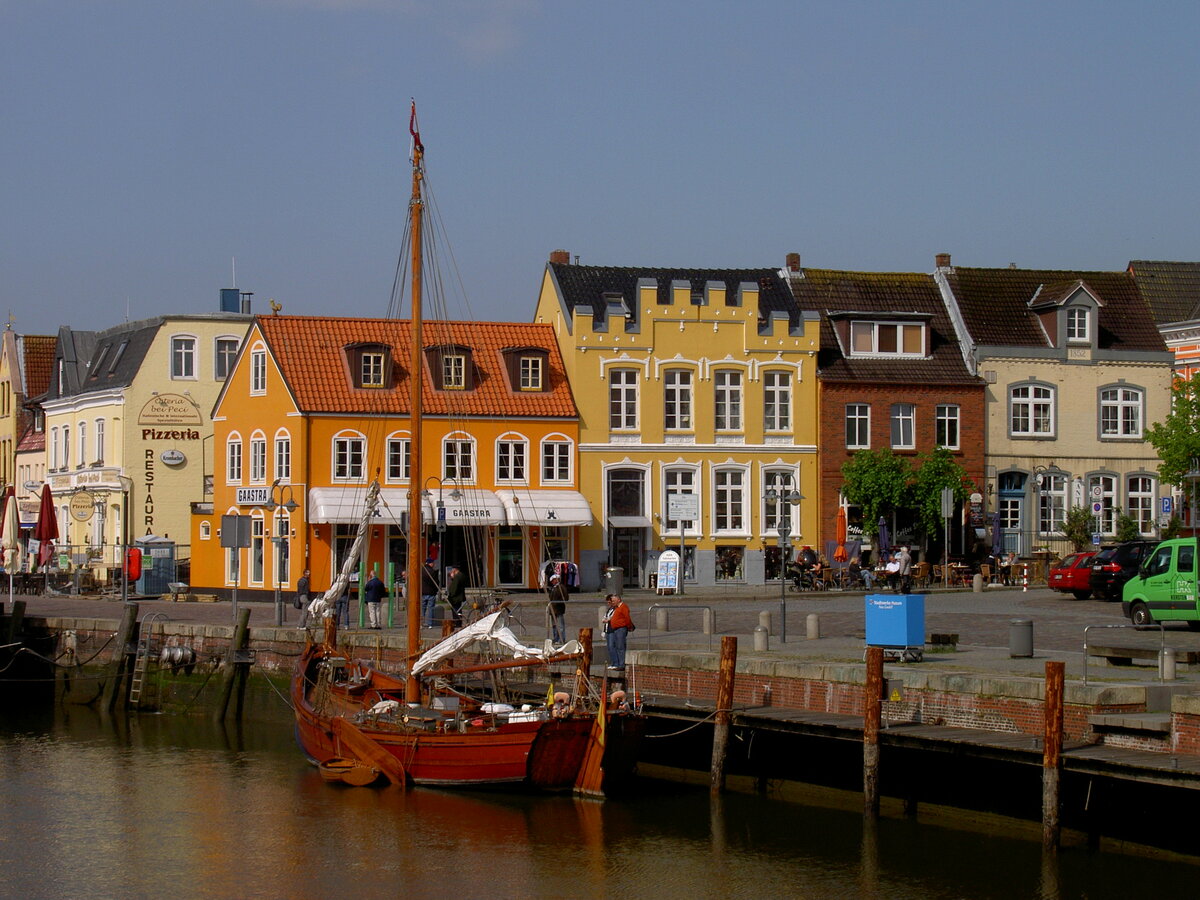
(693, 384)
(127, 431)
(318, 407)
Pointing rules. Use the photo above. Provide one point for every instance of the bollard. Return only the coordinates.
(661, 622)
(709, 628)
(764, 621)
(1166, 664)
(760, 638)
(813, 625)
(1024, 578)
(1020, 638)
(977, 584)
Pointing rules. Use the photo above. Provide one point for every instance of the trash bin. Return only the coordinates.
(1020, 638)
(614, 580)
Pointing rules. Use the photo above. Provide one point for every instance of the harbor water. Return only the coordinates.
(179, 807)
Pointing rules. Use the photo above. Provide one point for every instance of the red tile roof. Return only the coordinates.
(309, 352)
(39, 359)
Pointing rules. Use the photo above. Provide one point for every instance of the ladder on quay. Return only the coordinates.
(141, 661)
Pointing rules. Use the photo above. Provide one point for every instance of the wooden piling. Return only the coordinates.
(14, 621)
(118, 666)
(229, 668)
(1052, 755)
(584, 670)
(872, 716)
(725, 676)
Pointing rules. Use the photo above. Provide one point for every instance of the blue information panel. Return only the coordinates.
(668, 571)
(895, 620)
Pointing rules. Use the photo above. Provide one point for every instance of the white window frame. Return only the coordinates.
(557, 460)
(727, 397)
(677, 399)
(283, 456)
(54, 447)
(100, 440)
(1079, 328)
(83, 460)
(783, 482)
(224, 355)
(900, 416)
(183, 357)
(454, 371)
(729, 485)
(530, 373)
(858, 419)
(877, 333)
(258, 370)
(458, 459)
(777, 400)
(1108, 499)
(512, 459)
(66, 446)
(1052, 504)
(947, 429)
(258, 547)
(1034, 404)
(1122, 412)
(233, 459)
(349, 460)
(623, 399)
(679, 480)
(258, 458)
(399, 458)
(1139, 498)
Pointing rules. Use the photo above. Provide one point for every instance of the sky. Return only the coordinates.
(151, 152)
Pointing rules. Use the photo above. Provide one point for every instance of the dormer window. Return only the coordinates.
(527, 368)
(531, 373)
(1078, 325)
(369, 364)
(454, 372)
(451, 367)
(887, 338)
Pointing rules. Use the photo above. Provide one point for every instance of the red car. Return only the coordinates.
(1071, 575)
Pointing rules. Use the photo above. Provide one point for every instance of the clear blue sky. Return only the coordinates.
(147, 143)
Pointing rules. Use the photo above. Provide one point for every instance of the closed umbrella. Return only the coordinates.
(884, 543)
(10, 538)
(46, 529)
(997, 534)
(840, 555)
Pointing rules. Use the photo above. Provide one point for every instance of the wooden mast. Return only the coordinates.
(416, 524)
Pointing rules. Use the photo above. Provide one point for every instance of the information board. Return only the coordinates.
(668, 572)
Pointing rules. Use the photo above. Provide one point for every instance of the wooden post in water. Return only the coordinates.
(1052, 755)
(583, 670)
(230, 671)
(120, 657)
(872, 715)
(724, 707)
(14, 621)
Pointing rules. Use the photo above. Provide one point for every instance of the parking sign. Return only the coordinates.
(1166, 506)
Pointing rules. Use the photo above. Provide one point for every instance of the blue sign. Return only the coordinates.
(1166, 506)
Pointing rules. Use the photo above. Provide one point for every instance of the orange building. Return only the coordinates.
(317, 407)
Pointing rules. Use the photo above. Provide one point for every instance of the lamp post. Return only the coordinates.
(776, 500)
(280, 539)
(1041, 474)
(126, 486)
(440, 519)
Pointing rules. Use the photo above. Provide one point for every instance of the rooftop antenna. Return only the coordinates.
(233, 266)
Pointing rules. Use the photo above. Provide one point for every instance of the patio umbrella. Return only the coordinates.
(46, 529)
(10, 538)
(997, 534)
(884, 543)
(839, 532)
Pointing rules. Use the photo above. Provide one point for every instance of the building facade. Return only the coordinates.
(697, 398)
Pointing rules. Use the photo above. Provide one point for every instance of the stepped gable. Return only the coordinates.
(587, 285)
(309, 352)
(995, 305)
(875, 295)
(1171, 288)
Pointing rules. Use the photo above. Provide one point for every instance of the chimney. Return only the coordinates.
(793, 262)
(561, 257)
(942, 261)
(245, 298)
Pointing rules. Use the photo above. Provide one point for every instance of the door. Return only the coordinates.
(627, 553)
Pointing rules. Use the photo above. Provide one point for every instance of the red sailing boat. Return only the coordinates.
(444, 721)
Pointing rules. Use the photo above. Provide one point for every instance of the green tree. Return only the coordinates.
(1078, 526)
(1177, 438)
(938, 470)
(877, 481)
(1127, 527)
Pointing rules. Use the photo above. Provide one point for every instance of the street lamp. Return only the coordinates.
(439, 521)
(776, 500)
(280, 538)
(126, 486)
(1041, 474)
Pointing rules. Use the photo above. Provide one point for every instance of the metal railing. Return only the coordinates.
(1162, 633)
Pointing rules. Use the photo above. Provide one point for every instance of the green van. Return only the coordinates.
(1164, 588)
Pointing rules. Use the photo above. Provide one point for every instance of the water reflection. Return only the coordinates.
(156, 805)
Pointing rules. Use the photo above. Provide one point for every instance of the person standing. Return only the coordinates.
(303, 598)
(905, 560)
(617, 625)
(429, 592)
(558, 597)
(456, 592)
(341, 607)
(373, 594)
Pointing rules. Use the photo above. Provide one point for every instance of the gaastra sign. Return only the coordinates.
(171, 409)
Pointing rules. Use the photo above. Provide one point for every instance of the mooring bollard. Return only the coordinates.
(764, 620)
(708, 628)
(661, 622)
(813, 625)
(1024, 577)
(760, 638)
(977, 584)
(1166, 664)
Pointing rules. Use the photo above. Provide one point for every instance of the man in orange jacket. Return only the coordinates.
(617, 625)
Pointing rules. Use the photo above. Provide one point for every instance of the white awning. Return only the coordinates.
(474, 506)
(344, 505)
(546, 508)
(629, 521)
